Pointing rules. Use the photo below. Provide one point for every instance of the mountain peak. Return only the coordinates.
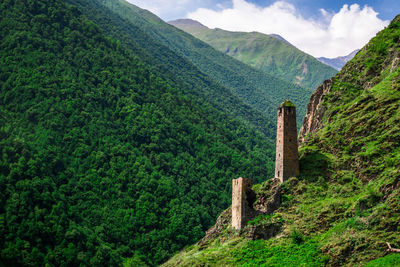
(187, 23)
(277, 36)
(338, 62)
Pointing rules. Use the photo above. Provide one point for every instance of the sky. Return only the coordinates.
(326, 28)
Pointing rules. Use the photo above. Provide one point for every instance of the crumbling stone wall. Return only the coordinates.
(241, 202)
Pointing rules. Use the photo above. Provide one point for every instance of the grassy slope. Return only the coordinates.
(346, 203)
(262, 91)
(266, 53)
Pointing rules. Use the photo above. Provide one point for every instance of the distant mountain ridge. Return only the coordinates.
(260, 90)
(271, 54)
(338, 62)
(187, 23)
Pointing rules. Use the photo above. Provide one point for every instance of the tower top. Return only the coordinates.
(287, 103)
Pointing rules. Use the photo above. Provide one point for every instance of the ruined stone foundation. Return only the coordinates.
(240, 205)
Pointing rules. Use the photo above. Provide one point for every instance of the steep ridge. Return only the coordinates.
(267, 53)
(344, 208)
(102, 157)
(258, 89)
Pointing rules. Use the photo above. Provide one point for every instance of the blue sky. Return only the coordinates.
(176, 9)
(319, 27)
(387, 9)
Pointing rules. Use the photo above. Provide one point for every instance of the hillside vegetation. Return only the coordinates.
(172, 66)
(345, 204)
(258, 89)
(264, 52)
(102, 157)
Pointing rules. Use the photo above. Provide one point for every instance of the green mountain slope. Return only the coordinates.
(103, 157)
(345, 204)
(261, 91)
(173, 67)
(263, 52)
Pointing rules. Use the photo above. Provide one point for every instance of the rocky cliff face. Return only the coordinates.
(315, 111)
(369, 67)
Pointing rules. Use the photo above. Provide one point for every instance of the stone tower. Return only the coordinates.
(287, 158)
(240, 207)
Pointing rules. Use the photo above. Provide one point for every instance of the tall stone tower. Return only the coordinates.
(240, 205)
(287, 157)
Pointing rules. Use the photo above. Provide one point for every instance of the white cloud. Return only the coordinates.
(159, 7)
(172, 9)
(331, 35)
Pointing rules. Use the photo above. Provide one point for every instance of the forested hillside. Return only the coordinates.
(344, 207)
(103, 157)
(264, 52)
(258, 89)
(173, 67)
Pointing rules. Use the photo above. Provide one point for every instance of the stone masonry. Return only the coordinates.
(240, 207)
(286, 166)
(287, 158)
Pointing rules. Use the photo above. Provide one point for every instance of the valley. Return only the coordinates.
(120, 135)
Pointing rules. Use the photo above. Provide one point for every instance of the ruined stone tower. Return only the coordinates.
(240, 207)
(287, 158)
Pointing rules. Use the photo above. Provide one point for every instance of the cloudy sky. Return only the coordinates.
(327, 28)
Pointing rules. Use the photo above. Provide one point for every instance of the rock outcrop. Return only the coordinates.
(270, 200)
(366, 78)
(221, 224)
(315, 111)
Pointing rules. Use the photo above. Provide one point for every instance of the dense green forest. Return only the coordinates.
(263, 52)
(103, 157)
(173, 67)
(344, 206)
(258, 89)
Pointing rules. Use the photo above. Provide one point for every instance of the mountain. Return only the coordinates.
(338, 62)
(344, 207)
(277, 36)
(184, 24)
(259, 90)
(171, 65)
(107, 152)
(269, 54)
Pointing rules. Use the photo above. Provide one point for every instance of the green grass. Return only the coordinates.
(391, 260)
(263, 253)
